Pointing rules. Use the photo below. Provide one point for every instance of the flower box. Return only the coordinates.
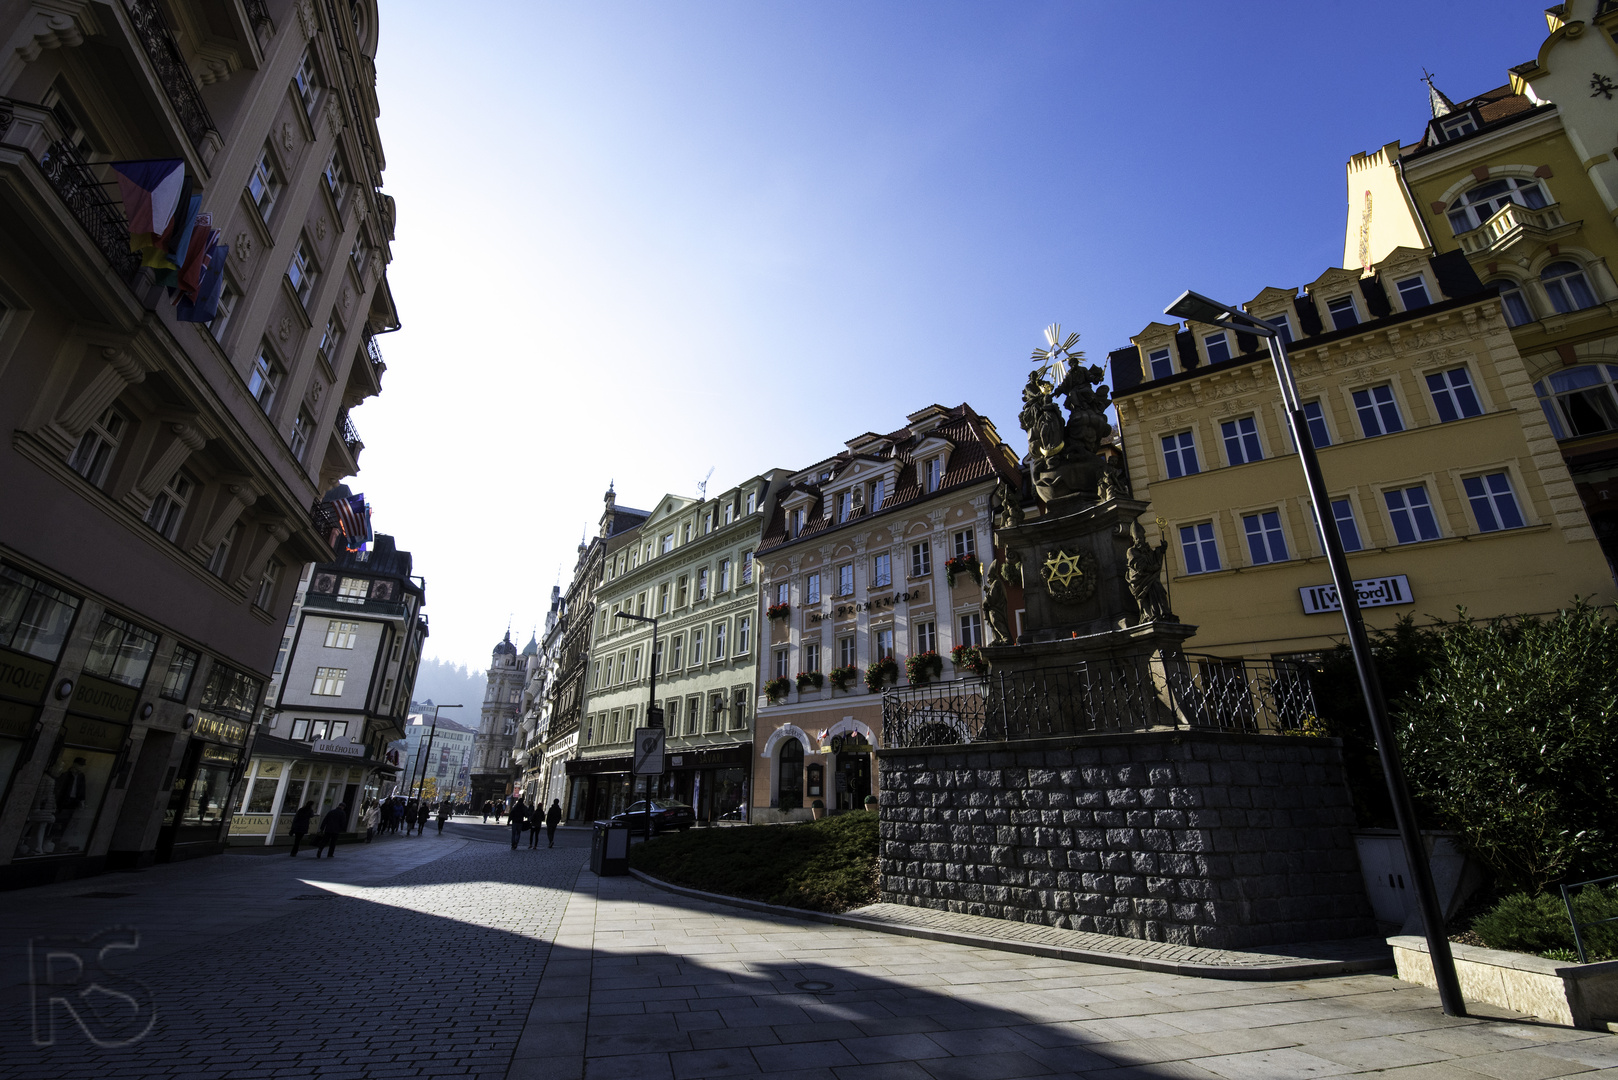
(969, 658)
(778, 611)
(842, 676)
(924, 666)
(776, 689)
(963, 564)
(881, 672)
(807, 679)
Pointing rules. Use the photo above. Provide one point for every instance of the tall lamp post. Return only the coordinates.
(654, 718)
(1198, 308)
(422, 765)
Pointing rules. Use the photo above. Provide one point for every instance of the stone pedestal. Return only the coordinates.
(1073, 565)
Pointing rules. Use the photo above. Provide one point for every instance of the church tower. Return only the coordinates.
(492, 769)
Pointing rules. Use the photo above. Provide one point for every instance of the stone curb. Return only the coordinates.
(1276, 972)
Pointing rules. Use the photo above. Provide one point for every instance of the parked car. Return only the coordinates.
(666, 815)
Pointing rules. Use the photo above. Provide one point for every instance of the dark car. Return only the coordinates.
(666, 814)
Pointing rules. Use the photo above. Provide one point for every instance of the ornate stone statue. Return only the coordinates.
(1007, 506)
(1144, 577)
(1063, 455)
(1041, 418)
(1005, 570)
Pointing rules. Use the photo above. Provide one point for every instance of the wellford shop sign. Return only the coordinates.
(1372, 592)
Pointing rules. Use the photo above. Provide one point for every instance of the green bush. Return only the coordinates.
(826, 865)
(1539, 924)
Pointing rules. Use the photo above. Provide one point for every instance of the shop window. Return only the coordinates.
(1453, 395)
(789, 775)
(1378, 412)
(182, 668)
(92, 458)
(1567, 287)
(120, 651)
(1265, 544)
(1180, 455)
(1412, 514)
(168, 509)
(34, 617)
(1198, 548)
(1494, 505)
(1580, 400)
(72, 787)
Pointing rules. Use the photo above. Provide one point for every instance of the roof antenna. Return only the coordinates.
(702, 485)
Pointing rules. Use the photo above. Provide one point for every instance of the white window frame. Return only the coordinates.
(329, 681)
(168, 509)
(264, 381)
(341, 634)
(98, 446)
(921, 559)
(1160, 363)
(264, 186)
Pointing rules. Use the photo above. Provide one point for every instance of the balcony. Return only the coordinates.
(1514, 225)
(173, 73)
(350, 437)
(101, 215)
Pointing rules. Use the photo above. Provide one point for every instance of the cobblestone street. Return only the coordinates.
(455, 956)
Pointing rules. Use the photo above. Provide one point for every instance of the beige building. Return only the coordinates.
(158, 475)
(856, 568)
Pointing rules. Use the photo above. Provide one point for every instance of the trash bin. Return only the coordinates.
(609, 849)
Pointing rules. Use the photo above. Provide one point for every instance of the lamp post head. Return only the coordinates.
(1194, 307)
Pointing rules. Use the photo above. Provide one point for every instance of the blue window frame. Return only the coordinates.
(1412, 514)
(1180, 454)
(1162, 363)
(1379, 413)
(1493, 503)
(1241, 441)
(1199, 549)
(1265, 544)
(1317, 424)
(1453, 395)
(1342, 511)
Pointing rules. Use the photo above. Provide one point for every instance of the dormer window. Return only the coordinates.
(1161, 362)
(1343, 315)
(845, 506)
(1413, 292)
(1489, 198)
(935, 473)
(1218, 346)
(878, 494)
(1456, 126)
(797, 522)
(1283, 325)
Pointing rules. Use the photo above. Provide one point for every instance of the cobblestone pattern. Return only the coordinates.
(1194, 838)
(430, 974)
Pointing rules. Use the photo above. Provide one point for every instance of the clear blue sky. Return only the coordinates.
(640, 240)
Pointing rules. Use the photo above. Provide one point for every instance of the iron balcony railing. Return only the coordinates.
(1129, 693)
(88, 201)
(172, 72)
(257, 12)
(351, 437)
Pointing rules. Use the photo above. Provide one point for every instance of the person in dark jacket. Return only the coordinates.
(300, 824)
(444, 809)
(514, 818)
(330, 826)
(553, 818)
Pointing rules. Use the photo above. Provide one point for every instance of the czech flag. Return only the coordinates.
(151, 194)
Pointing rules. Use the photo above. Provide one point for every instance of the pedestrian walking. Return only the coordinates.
(330, 826)
(536, 821)
(372, 810)
(487, 806)
(300, 824)
(443, 815)
(515, 820)
(553, 818)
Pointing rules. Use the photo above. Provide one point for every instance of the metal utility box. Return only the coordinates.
(609, 849)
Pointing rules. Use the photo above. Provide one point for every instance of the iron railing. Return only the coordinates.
(258, 13)
(1127, 693)
(1579, 927)
(102, 217)
(172, 72)
(351, 437)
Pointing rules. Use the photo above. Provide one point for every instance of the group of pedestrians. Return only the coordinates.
(522, 816)
(387, 816)
(331, 826)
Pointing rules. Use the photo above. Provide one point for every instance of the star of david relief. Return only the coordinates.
(1070, 578)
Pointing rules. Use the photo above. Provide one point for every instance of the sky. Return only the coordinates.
(640, 241)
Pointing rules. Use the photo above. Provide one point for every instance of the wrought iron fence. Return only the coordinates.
(1128, 693)
(351, 437)
(172, 72)
(258, 13)
(86, 198)
(323, 516)
(1580, 926)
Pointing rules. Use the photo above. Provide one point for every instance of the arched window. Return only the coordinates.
(1567, 287)
(1513, 301)
(789, 777)
(1481, 203)
(1580, 401)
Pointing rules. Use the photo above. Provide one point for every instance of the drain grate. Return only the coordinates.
(103, 895)
(813, 986)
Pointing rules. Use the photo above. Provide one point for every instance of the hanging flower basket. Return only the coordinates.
(969, 658)
(923, 666)
(842, 676)
(963, 564)
(810, 678)
(776, 689)
(880, 672)
(778, 611)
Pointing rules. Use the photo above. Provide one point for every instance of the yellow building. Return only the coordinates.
(1445, 477)
(1523, 179)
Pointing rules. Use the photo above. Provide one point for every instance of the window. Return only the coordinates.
(882, 570)
(681, 592)
(303, 428)
(1218, 346)
(304, 83)
(1342, 312)
(1315, 417)
(1198, 546)
(921, 559)
(1241, 441)
(221, 316)
(702, 583)
(781, 593)
(264, 185)
(1493, 504)
(686, 534)
(696, 647)
(935, 473)
(845, 580)
(1283, 326)
(634, 665)
(34, 617)
(927, 637)
(672, 709)
(595, 677)
(120, 651)
(221, 554)
(797, 523)
(730, 513)
(719, 641)
(328, 340)
(724, 575)
(752, 502)
(663, 599)
(1579, 401)
(676, 652)
(693, 715)
(335, 175)
(92, 457)
(177, 681)
(716, 711)
(356, 258)
(780, 663)
(747, 568)
(341, 635)
(845, 652)
(1379, 413)
(878, 494)
(811, 656)
(744, 635)
(966, 543)
(1487, 199)
(1457, 126)
(329, 681)
(1452, 394)
(657, 658)
(666, 545)
(267, 582)
(1161, 362)
(1180, 454)
(1512, 301)
(845, 506)
(387, 692)
(1265, 544)
(300, 730)
(1342, 511)
(398, 647)
(353, 590)
(884, 642)
(1567, 287)
(738, 717)
(811, 591)
(1412, 514)
(1412, 292)
(169, 507)
(971, 629)
(265, 378)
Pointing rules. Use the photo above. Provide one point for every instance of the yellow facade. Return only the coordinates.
(1253, 604)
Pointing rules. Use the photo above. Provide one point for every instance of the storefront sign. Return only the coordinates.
(232, 732)
(16, 720)
(250, 823)
(1372, 592)
(326, 746)
(97, 734)
(23, 678)
(853, 743)
(103, 699)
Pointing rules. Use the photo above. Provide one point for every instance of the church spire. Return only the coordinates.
(1441, 105)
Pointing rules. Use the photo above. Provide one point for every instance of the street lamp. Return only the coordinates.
(651, 702)
(428, 752)
(1198, 308)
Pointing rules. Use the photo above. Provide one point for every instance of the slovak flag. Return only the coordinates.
(151, 194)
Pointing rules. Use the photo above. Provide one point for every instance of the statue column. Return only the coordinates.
(241, 495)
(189, 437)
(69, 425)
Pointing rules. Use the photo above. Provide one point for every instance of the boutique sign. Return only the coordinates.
(1372, 592)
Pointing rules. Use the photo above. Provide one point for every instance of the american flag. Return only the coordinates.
(355, 518)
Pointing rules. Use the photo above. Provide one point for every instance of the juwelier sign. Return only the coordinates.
(1372, 592)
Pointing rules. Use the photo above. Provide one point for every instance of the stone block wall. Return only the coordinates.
(1199, 838)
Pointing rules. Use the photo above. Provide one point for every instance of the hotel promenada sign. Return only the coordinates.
(1372, 592)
